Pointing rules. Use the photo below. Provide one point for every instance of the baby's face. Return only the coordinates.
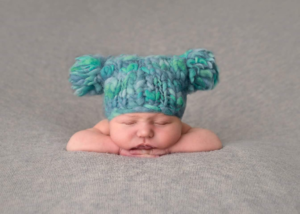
(151, 129)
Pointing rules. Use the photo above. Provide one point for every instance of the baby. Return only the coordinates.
(144, 99)
(144, 135)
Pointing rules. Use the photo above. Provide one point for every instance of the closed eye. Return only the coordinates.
(161, 123)
(129, 123)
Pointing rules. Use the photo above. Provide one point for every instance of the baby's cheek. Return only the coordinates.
(116, 136)
(120, 138)
(170, 137)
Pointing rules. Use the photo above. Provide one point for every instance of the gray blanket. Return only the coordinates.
(254, 109)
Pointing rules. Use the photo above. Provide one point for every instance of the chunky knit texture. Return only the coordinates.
(156, 83)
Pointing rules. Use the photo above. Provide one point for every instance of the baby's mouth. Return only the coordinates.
(144, 147)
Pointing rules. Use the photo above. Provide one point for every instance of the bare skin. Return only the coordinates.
(144, 135)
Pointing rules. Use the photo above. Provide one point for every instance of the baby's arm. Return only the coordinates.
(197, 140)
(95, 139)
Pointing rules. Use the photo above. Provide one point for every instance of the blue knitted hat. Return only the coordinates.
(156, 83)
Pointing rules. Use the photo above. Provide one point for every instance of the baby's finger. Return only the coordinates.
(139, 152)
(159, 152)
(124, 152)
(146, 156)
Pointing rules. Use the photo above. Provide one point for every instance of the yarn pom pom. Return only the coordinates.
(203, 72)
(85, 75)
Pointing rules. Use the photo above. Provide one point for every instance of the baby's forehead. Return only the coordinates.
(144, 115)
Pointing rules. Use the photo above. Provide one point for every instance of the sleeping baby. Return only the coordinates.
(144, 101)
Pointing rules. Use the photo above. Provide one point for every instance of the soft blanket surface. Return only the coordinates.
(254, 109)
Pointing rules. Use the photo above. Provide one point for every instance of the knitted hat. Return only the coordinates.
(155, 83)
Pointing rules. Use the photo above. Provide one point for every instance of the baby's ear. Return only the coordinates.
(203, 72)
(87, 75)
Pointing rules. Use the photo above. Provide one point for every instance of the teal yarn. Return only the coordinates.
(156, 83)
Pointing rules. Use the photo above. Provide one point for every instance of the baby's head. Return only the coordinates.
(149, 129)
(152, 88)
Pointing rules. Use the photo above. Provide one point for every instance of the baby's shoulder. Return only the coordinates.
(103, 126)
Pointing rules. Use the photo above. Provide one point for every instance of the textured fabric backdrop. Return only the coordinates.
(254, 109)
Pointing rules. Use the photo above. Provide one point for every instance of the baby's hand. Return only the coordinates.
(152, 153)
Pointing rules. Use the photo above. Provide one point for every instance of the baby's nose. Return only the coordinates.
(145, 131)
